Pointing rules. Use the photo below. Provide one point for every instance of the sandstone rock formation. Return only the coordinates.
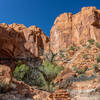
(85, 90)
(21, 91)
(18, 41)
(60, 95)
(84, 85)
(5, 78)
(77, 28)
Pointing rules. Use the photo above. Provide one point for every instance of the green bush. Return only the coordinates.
(73, 48)
(21, 71)
(40, 76)
(98, 59)
(91, 41)
(32, 77)
(50, 71)
(37, 79)
(98, 45)
(85, 56)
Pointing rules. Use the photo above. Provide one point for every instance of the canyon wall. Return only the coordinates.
(18, 41)
(77, 28)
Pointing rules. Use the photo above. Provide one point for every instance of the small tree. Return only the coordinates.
(50, 71)
(50, 56)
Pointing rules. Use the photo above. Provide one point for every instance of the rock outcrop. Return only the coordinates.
(85, 90)
(5, 78)
(21, 91)
(77, 28)
(18, 41)
(81, 75)
(60, 95)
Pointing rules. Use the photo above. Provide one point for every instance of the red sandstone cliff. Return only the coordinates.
(77, 28)
(18, 41)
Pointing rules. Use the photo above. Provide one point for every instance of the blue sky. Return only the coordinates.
(41, 13)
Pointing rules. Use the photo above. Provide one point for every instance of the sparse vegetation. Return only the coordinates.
(96, 67)
(61, 53)
(72, 47)
(50, 71)
(40, 76)
(98, 45)
(91, 41)
(50, 56)
(3, 87)
(79, 70)
(21, 72)
(98, 58)
(85, 56)
(89, 46)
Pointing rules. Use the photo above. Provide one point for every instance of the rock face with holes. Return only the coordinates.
(77, 28)
(18, 41)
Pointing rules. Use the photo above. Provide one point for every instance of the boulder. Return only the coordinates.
(5, 78)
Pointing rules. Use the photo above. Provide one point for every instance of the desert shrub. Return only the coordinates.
(98, 45)
(3, 87)
(61, 53)
(72, 47)
(32, 77)
(40, 76)
(21, 72)
(79, 70)
(89, 46)
(67, 58)
(64, 55)
(98, 59)
(96, 67)
(91, 41)
(36, 79)
(50, 56)
(50, 71)
(85, 56)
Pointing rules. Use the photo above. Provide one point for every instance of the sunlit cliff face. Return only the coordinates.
(77, 28)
